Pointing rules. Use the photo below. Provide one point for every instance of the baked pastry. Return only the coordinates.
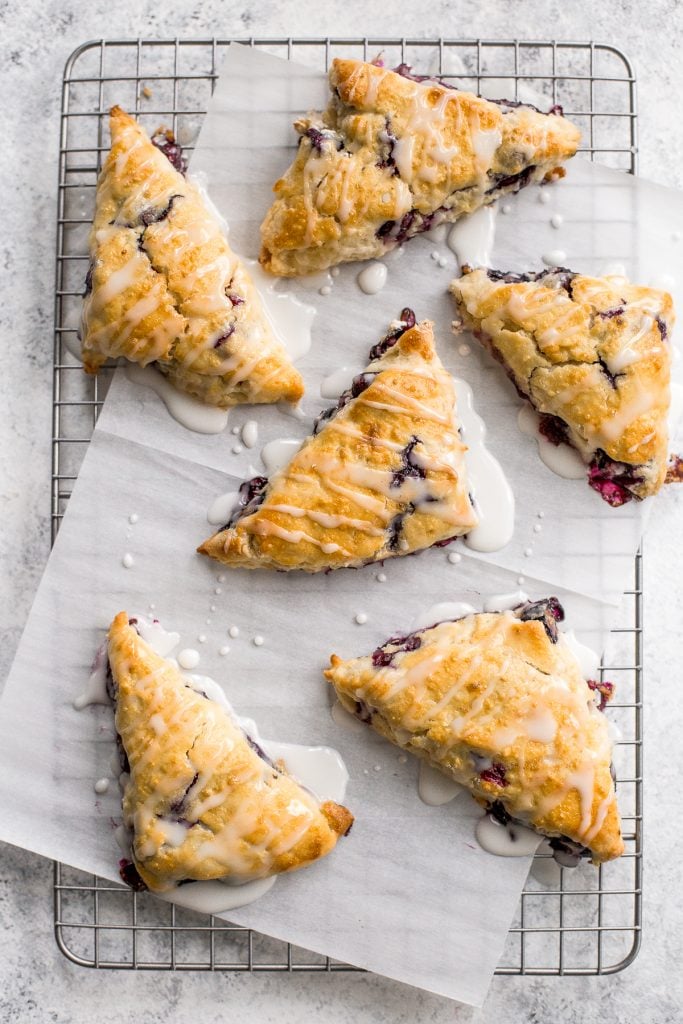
(395, 154)
(202, 799)
(382, 475)
(593, 356)
(498, 703)
(165, 287)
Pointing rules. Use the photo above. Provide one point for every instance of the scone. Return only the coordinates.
(395, 154)
(202, 800)
(499, 704)
(383, 474)
(593, 357)
(164, 286)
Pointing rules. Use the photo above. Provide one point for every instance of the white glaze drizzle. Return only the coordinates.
(493, 497)
(444, 611)
(220, 509)
(188, 411)
(561, 459)
(505, 602)
(159, 639)
(96, 688)
(472, 237)
(292, 410)
(345, 719)
(509, 840)
(276, 454)
(434, 788)
(588, 659)
(290, 319)
(217, 897)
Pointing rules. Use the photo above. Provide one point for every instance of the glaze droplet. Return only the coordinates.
(554, 258)
(188, 658)
(372, 278)
(127, 561)
(250, 433)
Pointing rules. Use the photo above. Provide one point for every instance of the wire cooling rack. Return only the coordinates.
(580, 921)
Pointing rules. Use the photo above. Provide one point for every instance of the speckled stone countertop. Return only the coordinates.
(38, 984)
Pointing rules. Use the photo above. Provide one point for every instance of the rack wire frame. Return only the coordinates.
(585, 922)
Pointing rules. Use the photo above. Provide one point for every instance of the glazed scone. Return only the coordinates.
(395, 154)
(383, 474)
(498, 703)
(593, 357)
(201, 799)
(165, 287)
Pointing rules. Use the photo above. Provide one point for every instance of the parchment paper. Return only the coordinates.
(408, 894)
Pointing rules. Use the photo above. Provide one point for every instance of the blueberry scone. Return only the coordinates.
(498, 703)
(164, 286)
(202, 800)
(395, 154)
(382, 475)
(593, 357)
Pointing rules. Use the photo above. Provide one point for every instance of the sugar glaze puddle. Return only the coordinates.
(221, 507)
(509, 840)
(190, 413)
(434, 788)
(290, 319)
(472, 237)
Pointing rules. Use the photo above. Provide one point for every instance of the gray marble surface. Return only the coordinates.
(38, 984)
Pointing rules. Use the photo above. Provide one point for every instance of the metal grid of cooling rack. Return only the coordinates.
(582, 921)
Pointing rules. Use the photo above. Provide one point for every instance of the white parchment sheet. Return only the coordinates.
(408, 894)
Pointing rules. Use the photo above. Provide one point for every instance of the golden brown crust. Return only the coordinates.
(385, 476)
(167, 288)
(593, 351)
(390, 154)
(200, 801)
(492, 702)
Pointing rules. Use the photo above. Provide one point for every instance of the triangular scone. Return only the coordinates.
(395, 154)
(593, 356)
(202, 800)
(165, 287)
(384, 474)
(498, 703)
